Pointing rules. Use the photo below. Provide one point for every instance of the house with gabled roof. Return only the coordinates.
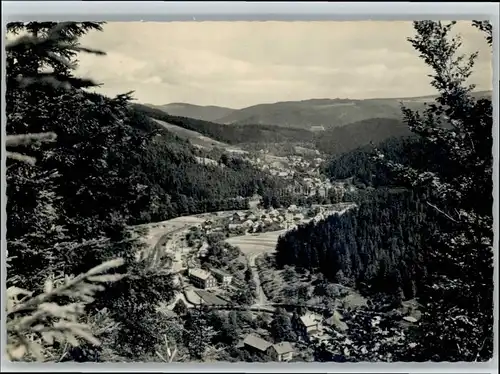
(307, 325)
(284, 351)
(202, 279)
(238, 216)
(254, 343)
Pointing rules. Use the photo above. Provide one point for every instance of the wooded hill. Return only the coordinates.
(332, 141)
(430, 238)
(71, 199)
(230, 134)
(306, 114)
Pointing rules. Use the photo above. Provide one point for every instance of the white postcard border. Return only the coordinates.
(255, 11)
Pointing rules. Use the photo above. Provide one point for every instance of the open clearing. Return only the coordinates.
(253, 246)
(256, 243)
(194, 137)
(198, 139)
(158, 229)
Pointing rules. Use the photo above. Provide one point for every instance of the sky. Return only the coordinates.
(239, 64)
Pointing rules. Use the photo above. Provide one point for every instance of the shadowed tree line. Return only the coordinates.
(432, 238)
(71, 200)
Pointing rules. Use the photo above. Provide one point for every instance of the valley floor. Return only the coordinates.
(255, 248)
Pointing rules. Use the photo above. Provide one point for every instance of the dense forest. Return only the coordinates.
(375, 246)
(346, 138)
(432, 238)
(178, 184)
(232, 134)
(82, 167)
(361, 164)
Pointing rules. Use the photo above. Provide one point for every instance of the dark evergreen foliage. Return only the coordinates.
(376, 246)
(360, 163)
(232, 134)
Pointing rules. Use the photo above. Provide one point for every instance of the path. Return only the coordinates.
(255, 245)
(261, 298)
(251, 245)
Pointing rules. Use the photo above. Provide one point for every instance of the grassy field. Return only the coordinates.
(199, 140)
(256, 243)
(194, 137)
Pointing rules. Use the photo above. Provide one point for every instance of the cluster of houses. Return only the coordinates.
(255, 221)
(207, 161)
(282, 351)
(308, 325)
(312, 324)
(295, 169)
(209, 279)
(275, 170)
(310, 186)
(317, 186)
(299, 162)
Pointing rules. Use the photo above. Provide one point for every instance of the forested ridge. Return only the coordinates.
(233, 133)
(349, 137)
(360, 163)
(334, 141)
(178, 184)
(352, 250)
(71, 199)
(431, 238)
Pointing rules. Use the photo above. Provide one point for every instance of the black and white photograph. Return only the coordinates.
(249, 192)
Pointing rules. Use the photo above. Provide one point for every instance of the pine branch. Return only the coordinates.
(26, 140)
(22, 158)
(29, 139)
(51, 321)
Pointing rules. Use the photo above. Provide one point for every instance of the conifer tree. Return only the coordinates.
(68, 211)
(457, 323)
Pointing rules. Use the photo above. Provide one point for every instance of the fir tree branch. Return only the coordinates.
(29, 139)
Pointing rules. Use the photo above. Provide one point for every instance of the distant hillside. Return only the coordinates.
(383, 121)
(328, 113)
(206, 113)
(346, 138)
(195, 138)
(358, 163)
(227, 134)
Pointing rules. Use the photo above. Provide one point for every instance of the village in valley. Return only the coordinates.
(221, 283)
(310, 195)
(219, 265)
(215, 257)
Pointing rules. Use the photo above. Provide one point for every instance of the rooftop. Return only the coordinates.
(309, 320)
(199, 273)
(210, 299)
(220, 273)
(256, 342)
(283, 347)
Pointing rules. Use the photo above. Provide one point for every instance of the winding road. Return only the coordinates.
(251, 245)
(261, 296)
